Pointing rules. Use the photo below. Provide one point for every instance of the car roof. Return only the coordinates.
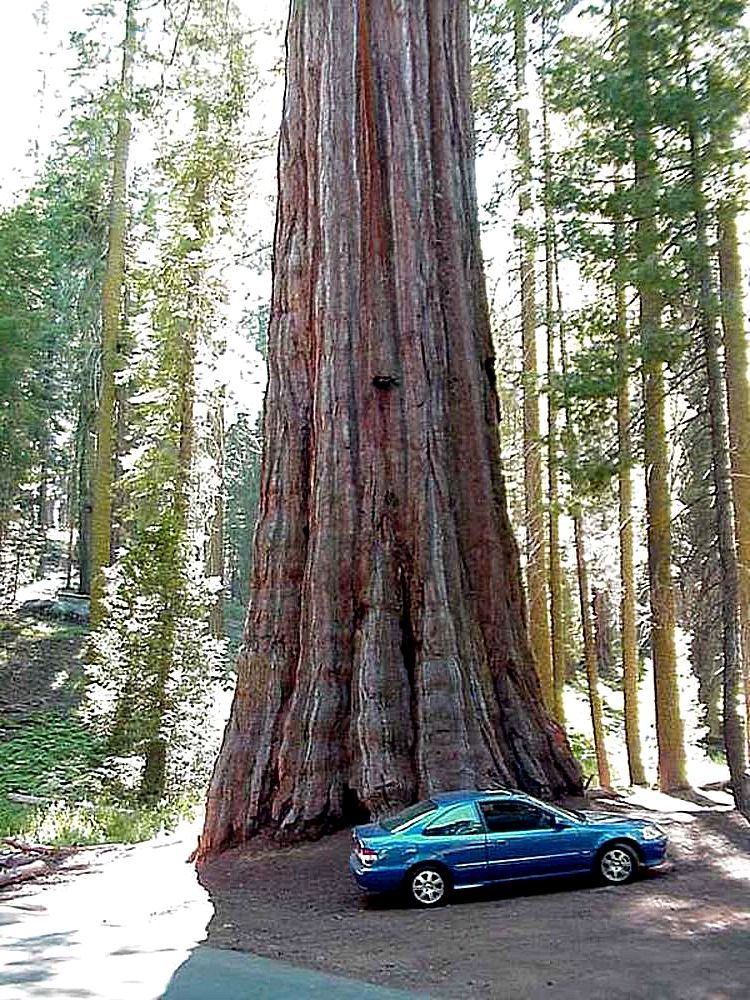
(470, 794)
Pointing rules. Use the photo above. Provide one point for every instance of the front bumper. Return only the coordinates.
(654, 852)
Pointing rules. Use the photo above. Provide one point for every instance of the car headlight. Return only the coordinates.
(652, 833)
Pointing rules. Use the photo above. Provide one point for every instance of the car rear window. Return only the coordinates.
(408, 816)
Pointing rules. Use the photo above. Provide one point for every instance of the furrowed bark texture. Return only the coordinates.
(386, 654)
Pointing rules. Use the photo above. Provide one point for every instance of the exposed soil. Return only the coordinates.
(681, 932)
(41, 668)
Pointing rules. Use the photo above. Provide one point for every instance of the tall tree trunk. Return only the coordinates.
(628, 620)
(536, 559)
(708, 308)
(386, 654)
(557, 610)
(215, 559)
(83, 471)
(738, 394)
(154, 778)
(589, 652)
(669, 726)
(600, 610)
(101, 517)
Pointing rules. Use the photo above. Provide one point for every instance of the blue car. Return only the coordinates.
(462, 840)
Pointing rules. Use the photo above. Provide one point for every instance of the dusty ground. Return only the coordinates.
(682, 932)
(40, 667)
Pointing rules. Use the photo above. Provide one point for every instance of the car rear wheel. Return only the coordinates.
(428, 886)
(618, 864)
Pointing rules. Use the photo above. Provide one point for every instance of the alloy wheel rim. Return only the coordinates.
(428, 887)
(617, 865)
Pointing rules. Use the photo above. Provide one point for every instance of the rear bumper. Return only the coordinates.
(374, 879)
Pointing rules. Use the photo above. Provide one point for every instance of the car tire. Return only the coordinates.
(617, 864)
(428, 886)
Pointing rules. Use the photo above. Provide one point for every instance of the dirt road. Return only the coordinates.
(681, 933)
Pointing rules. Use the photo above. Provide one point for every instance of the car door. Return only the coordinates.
(457, 838)
(524, 841)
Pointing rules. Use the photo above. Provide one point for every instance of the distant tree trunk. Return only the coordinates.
(83, 471)
(536, 559)
(669, 726)
(557, 610)
(153, 783)
(628, 620)
(737, 365)
(589, 652)
(101, 517)
(600, 611)
(215, 560)
(386, 654)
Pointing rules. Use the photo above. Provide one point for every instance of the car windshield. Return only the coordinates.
(569, 813)
(407, 816)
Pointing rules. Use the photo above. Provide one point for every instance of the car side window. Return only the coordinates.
(504, 817)
(457, 822)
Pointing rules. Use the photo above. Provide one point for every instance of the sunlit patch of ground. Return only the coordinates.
(117, 930)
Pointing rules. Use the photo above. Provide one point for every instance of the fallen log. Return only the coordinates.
(26, 848)
(32, 870)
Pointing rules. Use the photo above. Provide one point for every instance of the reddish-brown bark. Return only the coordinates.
(386, 654)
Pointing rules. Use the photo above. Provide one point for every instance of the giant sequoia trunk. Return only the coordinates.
(385, 654)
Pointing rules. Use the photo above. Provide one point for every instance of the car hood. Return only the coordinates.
(609, 819)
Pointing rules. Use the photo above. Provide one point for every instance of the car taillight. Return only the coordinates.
(367, 856)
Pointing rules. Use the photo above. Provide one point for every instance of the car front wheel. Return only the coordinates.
(428, 886)
(618, 864)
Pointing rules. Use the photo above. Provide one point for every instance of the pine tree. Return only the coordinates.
(112, 304)
(536, 554)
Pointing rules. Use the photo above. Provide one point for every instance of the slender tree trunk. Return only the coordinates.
(669, 726)
(101, 517)
(589, 652)
(737, 365)
(557, 610)
(386, 654)
(153, 785)
(215, 560)
(628, 620)
(708, 308)
(600, 610)
(83, 473)
(536, 558)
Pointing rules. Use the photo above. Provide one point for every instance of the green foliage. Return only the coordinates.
(243, 452)
(156, 662)
(583, 751)
(51, 755)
